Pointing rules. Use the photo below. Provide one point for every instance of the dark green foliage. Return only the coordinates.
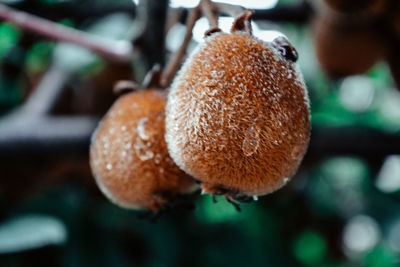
(303, 224)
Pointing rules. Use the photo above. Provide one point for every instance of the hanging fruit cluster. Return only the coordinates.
(236, 121)
(351, 36)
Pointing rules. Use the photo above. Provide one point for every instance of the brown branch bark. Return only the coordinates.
(152, 16)
(31, 128)
(119, 51)
(207, 7)
(57, 134)
(77, 11)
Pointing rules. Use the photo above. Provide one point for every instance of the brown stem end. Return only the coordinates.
(243, 23)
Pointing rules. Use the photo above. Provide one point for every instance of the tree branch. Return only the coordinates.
(32, 130)
(119, 51)
(361, 141)
(53, 135)
(208, 10)
(176, 60)
(74, 10)
(152, 37)
(300, 12)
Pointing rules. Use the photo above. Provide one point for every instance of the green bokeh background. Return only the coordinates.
(302, 224)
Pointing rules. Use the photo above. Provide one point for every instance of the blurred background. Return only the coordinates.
(56, 80)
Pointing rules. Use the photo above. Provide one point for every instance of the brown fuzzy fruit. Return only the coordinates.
(395, 20)
(344, 51)
(129, 156)
(237, 116)
(355, 6)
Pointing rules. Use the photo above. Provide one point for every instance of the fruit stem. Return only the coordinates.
(124, 86)
(210, 10)
(243, 23)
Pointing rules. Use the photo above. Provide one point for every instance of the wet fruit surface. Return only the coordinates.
(129, 157)
(237, 115)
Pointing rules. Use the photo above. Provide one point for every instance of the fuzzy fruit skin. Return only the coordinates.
(342, 50)
(129, 157)
(395, 20)
(354, 6)
(237, 116)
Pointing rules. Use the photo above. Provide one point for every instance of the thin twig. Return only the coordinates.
(228, 9)
(243, 23)
(32, 127)
(47, 93)
(175, 62)
(75, 10)
(208, 9)
(151, 19)
(120, 51)
(125, 86)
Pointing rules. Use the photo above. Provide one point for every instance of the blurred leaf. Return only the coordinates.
(260, 222)
(380, 75)
(67, 22)
(9, 37)
(381, 257)
(345, 171)
(30, 232)
(339, 186)
(39, 56)
(11, 92)
(309, 248)
(389, 109)
(219, 212)
(51, 2)
(94, 67)
(286, 2)
(331, 112)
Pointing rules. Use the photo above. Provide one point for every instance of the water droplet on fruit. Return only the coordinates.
(141, 128)
(109, 166)
(157, 159)
(142, 151)
(144, 154)
(251, 141)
